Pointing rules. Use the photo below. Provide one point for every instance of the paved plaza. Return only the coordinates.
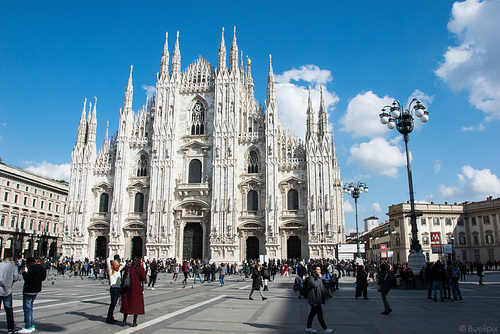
(73, 305)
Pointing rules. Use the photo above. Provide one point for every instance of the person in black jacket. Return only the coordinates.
(316, 295)
(361, 283)
(438, 277)
(385, 283)
(256, 281)
(32, 286)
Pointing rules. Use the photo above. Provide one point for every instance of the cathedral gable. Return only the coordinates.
(198, 77)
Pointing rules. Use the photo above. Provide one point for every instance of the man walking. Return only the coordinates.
(32, 286)
(8, 275)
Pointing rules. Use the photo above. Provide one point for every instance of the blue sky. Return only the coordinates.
(365, 53)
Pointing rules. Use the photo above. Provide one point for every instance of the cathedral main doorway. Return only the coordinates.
(101, 246)
(293, 246)
(193, 241)
(252, 248)
(136, 247)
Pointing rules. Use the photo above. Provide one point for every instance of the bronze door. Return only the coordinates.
(293, 248)
(252, 248)
(193, 241)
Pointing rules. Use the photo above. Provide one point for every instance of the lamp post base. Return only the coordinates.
(416, 261)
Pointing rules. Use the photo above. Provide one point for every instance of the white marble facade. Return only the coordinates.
(204, 171)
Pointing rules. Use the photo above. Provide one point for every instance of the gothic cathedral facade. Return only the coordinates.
(203, 171)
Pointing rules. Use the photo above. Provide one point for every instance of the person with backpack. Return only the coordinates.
(384, 286)
(316, 295)
(453, 275)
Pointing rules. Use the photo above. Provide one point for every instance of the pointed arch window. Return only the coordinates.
(142, 165)
(103, 202)
(139, 202)
(253, 162)
(293, 200)
(198, 119)
(252, 201)
(194, 171)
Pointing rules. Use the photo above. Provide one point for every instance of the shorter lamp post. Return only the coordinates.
(355, 191)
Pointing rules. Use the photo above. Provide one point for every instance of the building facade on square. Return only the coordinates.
(477, 236)
(31, 214)
(204, 171)
(464, 231)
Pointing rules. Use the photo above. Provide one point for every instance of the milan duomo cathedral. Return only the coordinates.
(203, 171)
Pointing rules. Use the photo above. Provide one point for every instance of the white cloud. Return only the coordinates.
(292, 97)
(437, 166)
(478, 127)
(376, 207)
(378, 156)
(150, 90)
(51, 171)
(307, 73)
(474, 64)
(448, 191)
(362, 115)
(348, 207)
(476, 185)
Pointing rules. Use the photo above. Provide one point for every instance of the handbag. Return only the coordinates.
(125, 284)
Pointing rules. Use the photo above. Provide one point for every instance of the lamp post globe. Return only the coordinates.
(396, 116)
(355, 190)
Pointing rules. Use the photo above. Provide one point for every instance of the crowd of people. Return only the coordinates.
(315, 280)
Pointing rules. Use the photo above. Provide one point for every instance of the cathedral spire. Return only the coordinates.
(92, 127)
(311, 126)
(176, 57)
(249, 79)
(271, 92)
(222, 53)
(106, 140)
(82, 127)
(241, 62)
(233, 66)
(323, 116)
(129, 92)
(164, 60)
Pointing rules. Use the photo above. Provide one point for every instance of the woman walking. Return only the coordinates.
(316, 295)
(133, 298)
(115, 279)
(185, 270)
(154, 272)
(222, 273)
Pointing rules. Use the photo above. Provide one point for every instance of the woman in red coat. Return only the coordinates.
(133, 298)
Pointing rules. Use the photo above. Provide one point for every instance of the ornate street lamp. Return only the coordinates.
(396, 116)
(355, 190)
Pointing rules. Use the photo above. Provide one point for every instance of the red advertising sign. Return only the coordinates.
(436, 249)
(383, 247)
(383, 254)
(435, 237)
